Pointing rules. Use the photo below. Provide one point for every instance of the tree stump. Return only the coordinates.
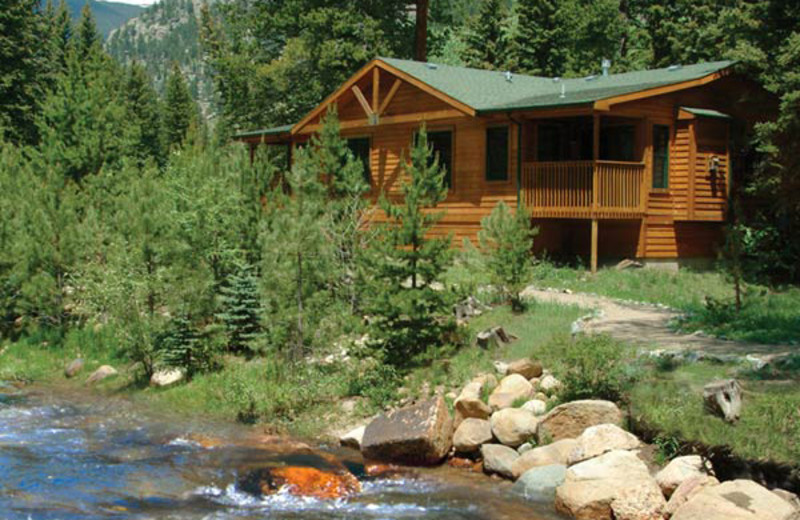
(496, 336)
(724, 399)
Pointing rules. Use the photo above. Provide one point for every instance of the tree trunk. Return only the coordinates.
(421, 32)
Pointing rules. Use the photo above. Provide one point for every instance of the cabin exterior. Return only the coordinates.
(634, 165)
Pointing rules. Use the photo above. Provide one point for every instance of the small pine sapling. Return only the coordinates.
(506, 241)
(241, 310)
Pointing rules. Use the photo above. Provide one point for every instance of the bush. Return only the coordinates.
(377, 383)
(597, 367)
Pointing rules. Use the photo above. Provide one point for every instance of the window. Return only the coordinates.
(360, 147)
(660, 157)
(442, 144)
(497, 153)
(617, 143)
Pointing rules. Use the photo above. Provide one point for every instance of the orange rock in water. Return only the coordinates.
(312, 482)
(381, 470)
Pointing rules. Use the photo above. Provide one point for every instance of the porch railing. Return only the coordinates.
(584, 189)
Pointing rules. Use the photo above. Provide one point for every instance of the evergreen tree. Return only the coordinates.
(241, 310)
(180, 111)
(486, 38)
(506, 242)
(410, 314)
(87, 39)
(541, 39)
(143, 113)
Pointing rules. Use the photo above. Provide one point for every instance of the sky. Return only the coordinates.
(136, 2)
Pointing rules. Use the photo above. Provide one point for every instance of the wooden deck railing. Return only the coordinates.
(584, 189)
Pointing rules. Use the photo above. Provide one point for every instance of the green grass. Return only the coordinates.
(769, 428)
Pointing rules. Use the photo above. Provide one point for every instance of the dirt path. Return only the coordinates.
(648, 325)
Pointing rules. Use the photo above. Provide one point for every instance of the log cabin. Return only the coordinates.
(632, 165)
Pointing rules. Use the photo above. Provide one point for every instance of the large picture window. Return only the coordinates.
(360, 147)
(660, 157)
(441, 141)
(497, 140)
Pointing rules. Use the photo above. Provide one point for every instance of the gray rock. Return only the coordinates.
(471, 434)
(724, 399)
(539, 484)
(167, 377)
(524, 447)
(420, 434)
(101, 373)
(498, 459)
(353, 438)
(556, 453)
(74, 367)
(536, 407)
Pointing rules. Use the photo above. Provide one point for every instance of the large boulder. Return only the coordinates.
(471, 434)
(513, 426)
(420, 434)
(539, 484)
(167, 377)
(73, 368)
(353, 438)
(679, 470)
(614, 485)
(556, 453)
(596, 440)
(567, 421)
(735, 500)
(511, 388)
(526, 368)
(101, 373)
(688, 488)
(790, 497)
(469, 402)
(498, 459)
(724, 399)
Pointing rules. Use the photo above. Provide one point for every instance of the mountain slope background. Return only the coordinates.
(166, 32)
(108, 15)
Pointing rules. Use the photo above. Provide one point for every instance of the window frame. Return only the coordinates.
(664, 187)
(367, 167)
(509, 159)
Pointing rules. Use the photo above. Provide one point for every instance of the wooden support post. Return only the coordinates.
(595, 158)
(389, 96)
(362, 100)
(376, 86)
(594, 246)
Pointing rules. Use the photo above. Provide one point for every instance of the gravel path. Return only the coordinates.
(648, 325)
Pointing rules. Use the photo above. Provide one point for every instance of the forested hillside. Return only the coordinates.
(108, 15)
(167, 32)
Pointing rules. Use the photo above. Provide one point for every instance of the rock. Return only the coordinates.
(549, 384)
(615, 483)
(512, 388)
(687, 489)
(539, 484)
(540, 396)
(300, 481)
(724, 399)
(526, 368)
(735, 500)
(353, 438)
(551, 454)
(677, 471)
(524, 447)
(496, 337)
(167, 377)
(100, 374)
(790, 497)
(416, 435)
(501, 368)
(536, 407)
(628, 264)
(471, 434)
(74, 367)
(498, 459)
(513, 426)
(469, 402)
(567, 421)
(596, 440)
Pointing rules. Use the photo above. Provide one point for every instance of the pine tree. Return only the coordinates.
(486, 37)
(410, 314)
(241, 310)
(143, 112)
(540, 42)
(87, 38)
(180, 111)
(506, 241)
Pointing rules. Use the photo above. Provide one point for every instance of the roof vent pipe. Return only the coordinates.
(509, 76)
(563, 91)
(606, 64)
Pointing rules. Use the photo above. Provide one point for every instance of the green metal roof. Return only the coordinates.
(488, 91)
(706, 112)
(283, 129)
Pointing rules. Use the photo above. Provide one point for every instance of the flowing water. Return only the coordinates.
(75, 457)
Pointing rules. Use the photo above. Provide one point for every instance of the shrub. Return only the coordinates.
(596, 367)
(378, 384)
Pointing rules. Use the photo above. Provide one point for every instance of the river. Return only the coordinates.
(71, 455)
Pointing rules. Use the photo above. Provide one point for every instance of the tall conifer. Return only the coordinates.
(180, 111)
(486, 37)
(540, 42)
